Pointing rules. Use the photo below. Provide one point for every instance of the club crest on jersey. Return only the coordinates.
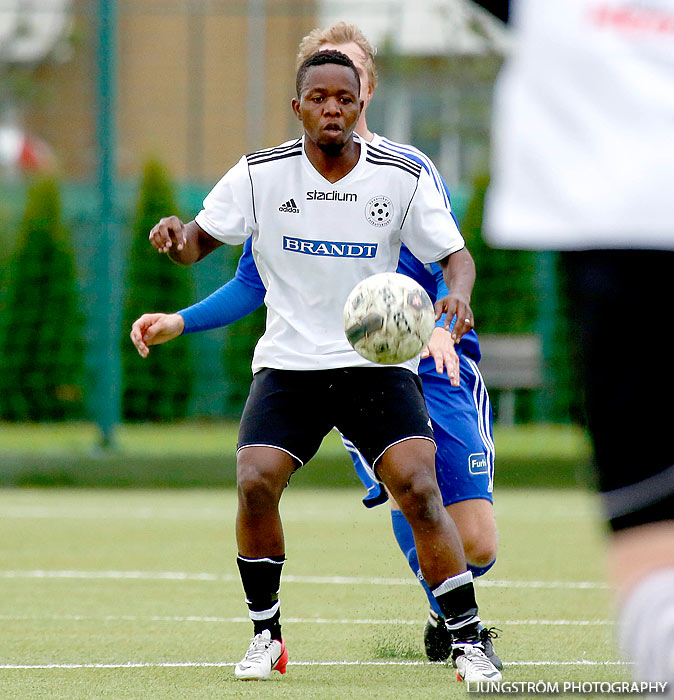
(477, 463)
(290, 207)
(330, 249)
(379, 211)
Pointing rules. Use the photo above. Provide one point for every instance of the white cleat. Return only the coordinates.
(264, 655)
(473, 666)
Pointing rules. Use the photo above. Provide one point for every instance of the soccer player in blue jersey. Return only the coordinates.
(457, 399)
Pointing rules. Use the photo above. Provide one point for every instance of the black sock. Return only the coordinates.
(261, 579)
(456, 598)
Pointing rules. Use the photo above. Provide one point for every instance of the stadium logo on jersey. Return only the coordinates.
(477, 463)
(330, 249)
(289, 207)
(333, 196)
(379, 211)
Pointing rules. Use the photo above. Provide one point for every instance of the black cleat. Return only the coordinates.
(438, 641)
(486, 635)
(437, 638)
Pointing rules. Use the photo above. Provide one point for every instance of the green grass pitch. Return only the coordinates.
(135, 594)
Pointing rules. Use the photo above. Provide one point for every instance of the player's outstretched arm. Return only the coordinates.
(459, 273)
(185, 244)
(441, 345)
(441, 348)
(227, 304)
(155, 329)
(234, 300)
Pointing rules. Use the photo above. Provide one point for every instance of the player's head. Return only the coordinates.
(328, 99)
(322, 58)
(349, 39)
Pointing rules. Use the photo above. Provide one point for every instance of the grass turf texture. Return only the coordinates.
(146, 578)
(203, 454)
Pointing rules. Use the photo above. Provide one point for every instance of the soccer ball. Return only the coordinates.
(388, 318)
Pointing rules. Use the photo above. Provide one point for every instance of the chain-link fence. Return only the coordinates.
(132, 109)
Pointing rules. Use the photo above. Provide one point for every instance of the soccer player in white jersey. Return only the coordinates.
(307, 378)
(460, 410)
(584, 164)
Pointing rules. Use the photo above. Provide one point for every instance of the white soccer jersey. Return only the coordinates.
(583, 141)
(313, 240)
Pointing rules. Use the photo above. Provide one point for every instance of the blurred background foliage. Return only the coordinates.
(83, 104)
(159, 387)
(41, 323)
(43, 328)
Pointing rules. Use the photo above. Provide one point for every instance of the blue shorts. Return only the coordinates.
(463, 427)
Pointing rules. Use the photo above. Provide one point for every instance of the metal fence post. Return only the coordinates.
(546, 280)
(106, 326)
(255, 61)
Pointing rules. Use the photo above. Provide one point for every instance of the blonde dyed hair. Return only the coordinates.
(339, 33)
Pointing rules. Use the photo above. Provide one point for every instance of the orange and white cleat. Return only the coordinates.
(264, 655)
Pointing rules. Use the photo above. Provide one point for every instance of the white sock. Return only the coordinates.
(646, 629)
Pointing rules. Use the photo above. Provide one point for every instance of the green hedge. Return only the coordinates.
(504, 298)
(517, 291)
(507, 299)
(175, 471)
(240, 342)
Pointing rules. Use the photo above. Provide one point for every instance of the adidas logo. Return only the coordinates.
(290, 207)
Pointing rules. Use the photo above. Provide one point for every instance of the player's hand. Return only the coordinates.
(441, 348)
(155, 329)
(454, 305)
(168, 233)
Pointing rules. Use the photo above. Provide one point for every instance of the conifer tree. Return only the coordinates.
(156, 388)
(42, 327)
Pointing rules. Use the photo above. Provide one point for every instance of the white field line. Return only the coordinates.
(293, 620)
(320, 580)
(35, 513)
(209, 514)
(221, 664)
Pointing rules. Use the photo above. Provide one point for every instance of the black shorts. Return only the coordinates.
(373, 407)
(621, 303)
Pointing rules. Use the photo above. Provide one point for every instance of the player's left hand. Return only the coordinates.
(441, 348)
(454, 305)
